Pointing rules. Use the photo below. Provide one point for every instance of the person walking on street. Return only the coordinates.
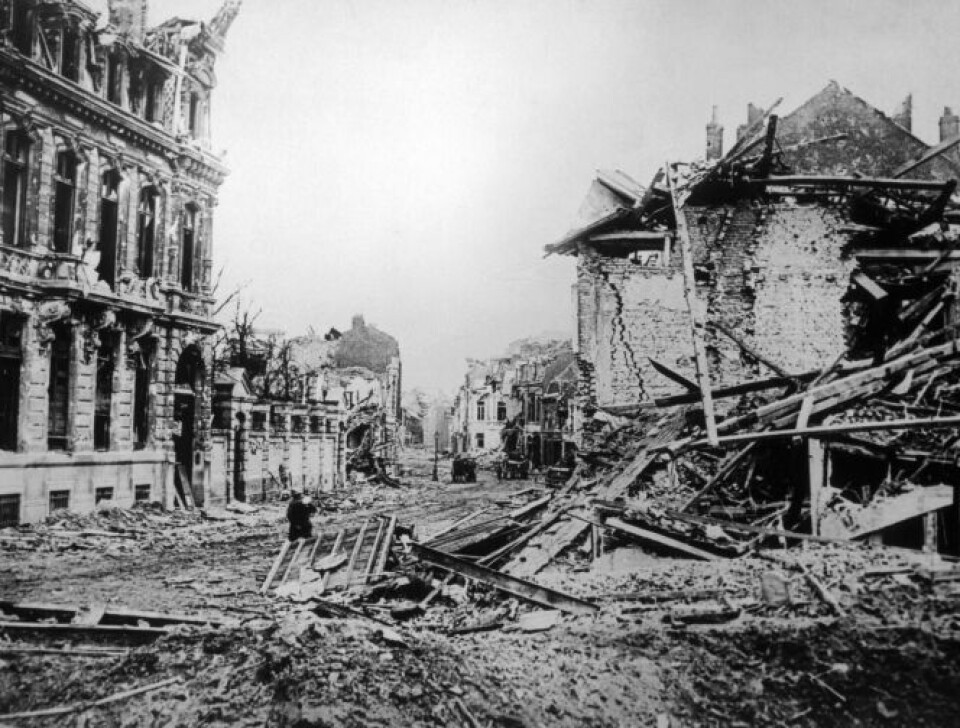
(299, 513)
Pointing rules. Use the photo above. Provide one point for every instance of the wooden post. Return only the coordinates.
(818, 460)
(697, 327)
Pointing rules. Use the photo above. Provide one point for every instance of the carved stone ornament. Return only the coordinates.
(48, 313)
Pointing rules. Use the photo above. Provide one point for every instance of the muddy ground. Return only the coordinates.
(891, 658)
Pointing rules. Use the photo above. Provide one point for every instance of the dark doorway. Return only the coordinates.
(11, 357)
(188, 383)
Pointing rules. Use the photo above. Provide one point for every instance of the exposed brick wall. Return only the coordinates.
(773, 274)
(627, 314)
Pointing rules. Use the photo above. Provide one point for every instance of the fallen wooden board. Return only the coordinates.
(77, 707)
(888, 512)
(747, 528)
(112, 616)
(504, 582)
(657, 539)
(141, 634)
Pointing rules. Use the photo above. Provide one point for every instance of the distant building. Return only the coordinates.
(109, 187)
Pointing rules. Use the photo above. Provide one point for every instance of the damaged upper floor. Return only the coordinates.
(149, 79)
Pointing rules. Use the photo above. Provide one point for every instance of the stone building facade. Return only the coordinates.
(108, 191)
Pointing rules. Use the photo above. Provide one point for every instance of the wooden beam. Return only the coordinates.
(747, 528)
(869, 286)
(271, 575)
(926, 156)
(357, 545)
(758, 385)
(673, 376)
(837, 181)
(387, 545)
(726, 469)
(748, 350)
(693, 305)
(87, 705)
(293, 560)
(657, 539)
(334, 550)
(509, 584)
(828, 430)
(766, 158)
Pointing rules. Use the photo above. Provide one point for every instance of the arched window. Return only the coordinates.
(65, 186)
(188, 246)
(109, 203)
(146, 230)
(16, 156)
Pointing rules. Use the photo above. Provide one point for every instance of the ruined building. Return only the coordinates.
(108, 186)
(799, 292)
(359, 370)
(772, 270)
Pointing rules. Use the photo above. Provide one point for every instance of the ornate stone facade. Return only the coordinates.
(108, 188)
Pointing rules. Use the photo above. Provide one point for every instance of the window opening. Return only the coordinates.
(15, 157)
(11, 357)
(65, 183)
(59, 500)
(187, 251)
(146, 230)
(104, 396)
(9, 510)
(58, 391)
(109, 203)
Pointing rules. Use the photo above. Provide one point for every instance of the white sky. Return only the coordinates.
(409, 160)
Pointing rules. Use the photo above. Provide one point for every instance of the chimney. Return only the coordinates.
(129, 17)
(358, 324)
(904, 117)
(949, 124)
(754, 113)
(714, 138)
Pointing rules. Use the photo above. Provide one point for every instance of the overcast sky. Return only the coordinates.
(409, 160)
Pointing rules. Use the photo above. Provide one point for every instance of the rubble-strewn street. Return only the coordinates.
(744, 642)
(426, 436)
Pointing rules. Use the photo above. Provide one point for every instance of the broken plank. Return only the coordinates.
(825, 430)
(673, 376)
(374, 551)
(86, 705)
(518, 542)
(746, 527)
(509, 584)
(334, 550)
(838, 181)
(387, 545)
(357, 545)
(657, 539)
(694, 307)
(271, 575)
(737, 389)
(749, 350)
(726, 469)
(293, 560)
(142, 634)
(822, 591)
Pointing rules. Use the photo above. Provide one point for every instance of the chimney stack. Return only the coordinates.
(714, 138)
(904, 117)
(753, 114)
(129, 17)
(949, 124)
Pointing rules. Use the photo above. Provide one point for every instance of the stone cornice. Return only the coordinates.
(29, 75)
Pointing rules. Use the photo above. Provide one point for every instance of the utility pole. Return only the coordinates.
(436, 455)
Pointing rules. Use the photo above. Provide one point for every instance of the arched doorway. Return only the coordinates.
(187, 386)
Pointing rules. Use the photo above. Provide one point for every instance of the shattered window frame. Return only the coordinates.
(64, 200)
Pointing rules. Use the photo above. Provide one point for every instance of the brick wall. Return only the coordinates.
(773, 274)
